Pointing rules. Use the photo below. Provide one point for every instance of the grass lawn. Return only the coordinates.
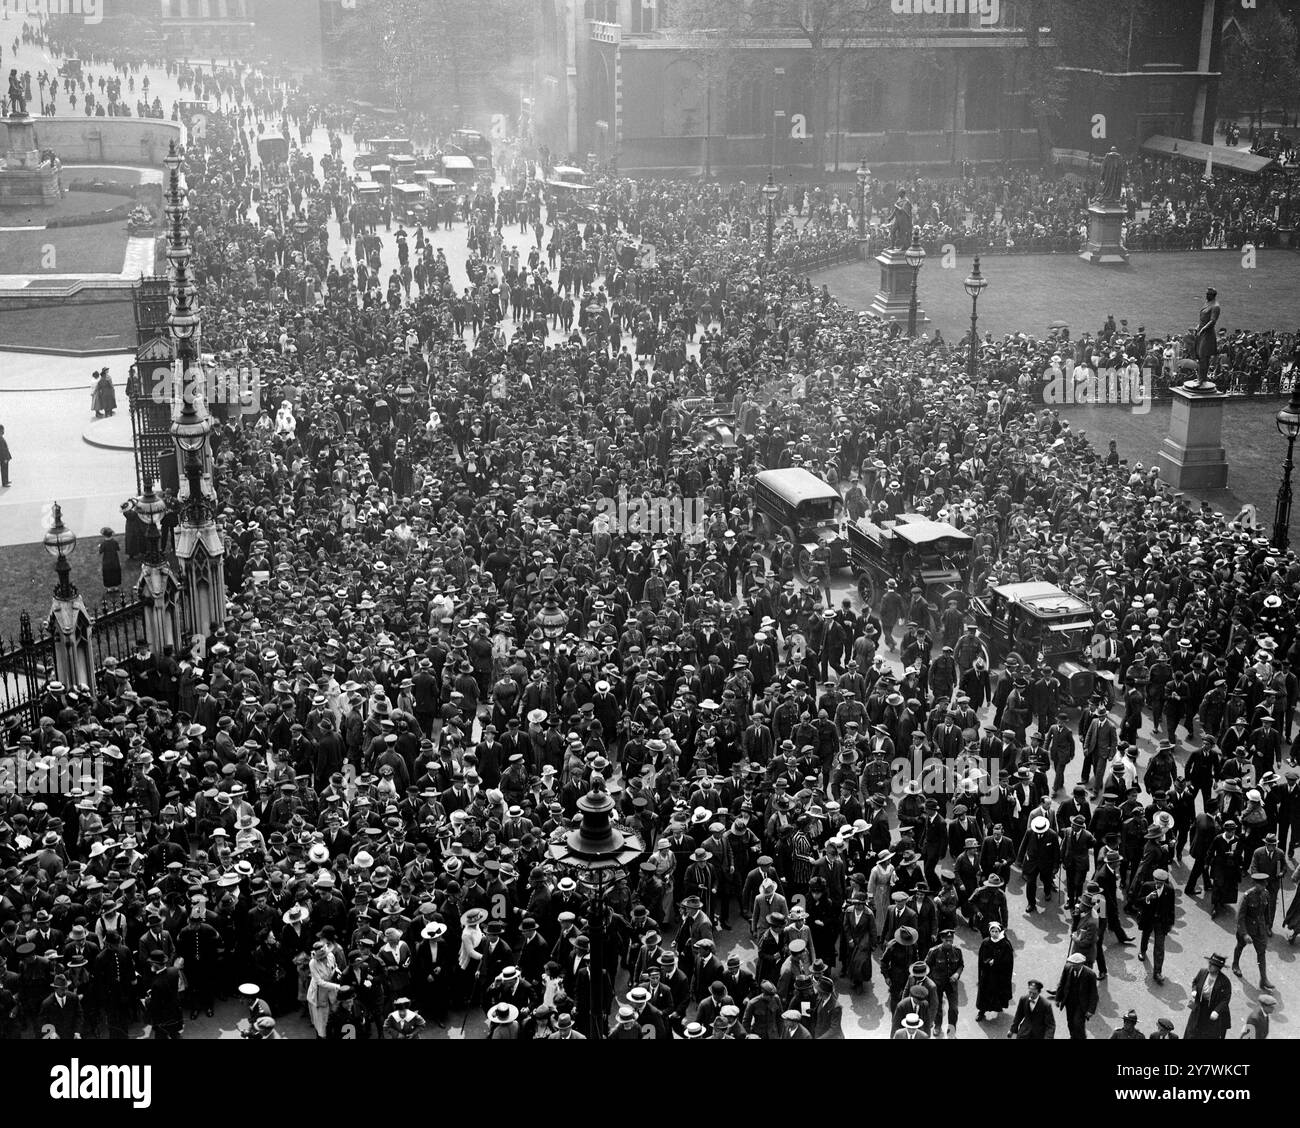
(97, 327)
(72, 203)
(1161, 291)
(98, 248)
(113, 174)
(29, 580)
(1255, 450)
(1026, 293)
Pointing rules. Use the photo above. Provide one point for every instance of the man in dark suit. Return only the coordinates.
(162, 1004)
(828, 1015)
(1034, 1019)
(1211, 1016)
(61, 1015)
(1283, 803)
(1077, 995)
(424, 689)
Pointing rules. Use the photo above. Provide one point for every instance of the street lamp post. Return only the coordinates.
(61, 542)
(1288, 425)
(864, 178)
(150, 508)
(191, 432)
(598, 853)
(770, 191)
(157, 588)
(68, 625)
(975, 285)
(915, 255)
(554, 621)
(405, 396)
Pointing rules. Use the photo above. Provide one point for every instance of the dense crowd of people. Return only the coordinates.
(342, 804)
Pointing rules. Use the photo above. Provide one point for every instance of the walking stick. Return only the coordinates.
(1069, 951)
(473, 990)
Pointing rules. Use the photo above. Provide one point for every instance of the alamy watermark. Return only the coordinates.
(90, 11)
(989, 11)
(1111, 387)
(947, 776)
(52, 774)
(220, 385)
(649, 516)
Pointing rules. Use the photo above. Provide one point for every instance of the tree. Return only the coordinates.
(831, 27)
(712, 30)
(1260, 62)
(1085, 34)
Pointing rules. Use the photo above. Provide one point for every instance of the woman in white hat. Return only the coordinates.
(471, 951)
(247, 836)
(322, 987)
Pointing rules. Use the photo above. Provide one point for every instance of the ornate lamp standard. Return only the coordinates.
(597, 853)
(200, 550)
(915, 255)
(1288, 425)
(975, 285)
(61, 542)
(69, 622)
(554, 621)
(770, 193)
(158, 588)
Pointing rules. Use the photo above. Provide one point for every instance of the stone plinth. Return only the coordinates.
(1103, 247)
(894, 298)
(1192, 456)
(24, 180)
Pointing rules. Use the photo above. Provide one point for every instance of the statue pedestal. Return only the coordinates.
(1192, 456)
(24, 180)
(894, 298)
(1103, 247)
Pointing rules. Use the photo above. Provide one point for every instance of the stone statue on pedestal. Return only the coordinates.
(900, 227)
(1207, 342)
(17, 95)
(1112, 177)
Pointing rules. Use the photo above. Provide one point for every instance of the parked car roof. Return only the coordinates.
(919, 530)
(797, 485)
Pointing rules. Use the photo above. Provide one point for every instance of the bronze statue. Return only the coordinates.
(900, 228)
(1112, 177)
(17, 95)
(1207, 341)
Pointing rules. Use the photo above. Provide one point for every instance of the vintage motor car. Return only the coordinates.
(1029, 623)
(807, 511)
(915, 552)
